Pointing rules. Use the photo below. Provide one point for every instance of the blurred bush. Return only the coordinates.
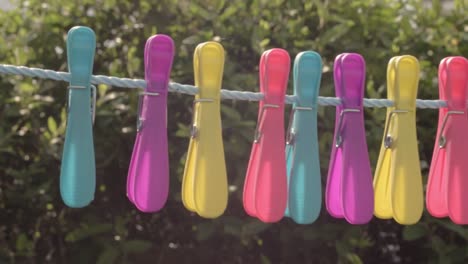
(35, 226)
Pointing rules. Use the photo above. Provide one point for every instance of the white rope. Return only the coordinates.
(192, 90)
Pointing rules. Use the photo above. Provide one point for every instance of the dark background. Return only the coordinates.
(36, 227)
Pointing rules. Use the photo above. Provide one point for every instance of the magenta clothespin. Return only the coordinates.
(148, 175)
(349, 192)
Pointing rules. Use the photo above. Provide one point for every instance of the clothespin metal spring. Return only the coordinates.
(388, 138)
(291, 133)
(258, 134)
(93, 102)
(194, 130)
(141, 120)
(339, 138)
(442, 139)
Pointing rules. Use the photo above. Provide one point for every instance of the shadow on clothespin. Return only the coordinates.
(204, 185)
(397, 181)
(349, 192)
(447, 193)
(148, 174)
(265, 188)
(78, 169)
(302, 149)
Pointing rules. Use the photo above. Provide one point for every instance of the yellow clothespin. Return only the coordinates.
(397, 181)
(204, 185)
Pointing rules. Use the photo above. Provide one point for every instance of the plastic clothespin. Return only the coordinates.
(349, 192)
(148, 174)
(397, 181)
(265, 188)
(302, 150)
(78, 170)
(204, 186)
(447, 193)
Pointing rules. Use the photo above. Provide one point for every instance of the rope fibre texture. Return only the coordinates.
(192, 90)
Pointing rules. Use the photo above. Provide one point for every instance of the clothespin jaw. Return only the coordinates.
(302, 153)
(204, 186)
(265, 187)
(446, 188)
(148, 177)
(349, 191)
(78, 172)
(397, 181)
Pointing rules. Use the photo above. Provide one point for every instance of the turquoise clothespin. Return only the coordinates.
(78, 171)
(302, 150)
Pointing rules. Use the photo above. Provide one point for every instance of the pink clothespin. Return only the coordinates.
(447, 193)
(265, 188)
(148, 175)
(349, 192)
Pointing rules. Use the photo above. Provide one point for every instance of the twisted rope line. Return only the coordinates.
(192, 90)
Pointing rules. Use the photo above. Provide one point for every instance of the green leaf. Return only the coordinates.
(342, 248)
(253, 228)
(102, 89)
(26, 87)
(311, 234)
(87, 231)
(204, 231)
(136, 246)
(228, 12)
(109, 256)
(232, 225)
(264, 43)
(459, 254)
(52, 125)
(23, 244)
(353, 258)
(119, 222)
(335, 33)
(321, 10)
(183, 131)
(460, 230)
(231, 113)
(414, 232)
(264, 259)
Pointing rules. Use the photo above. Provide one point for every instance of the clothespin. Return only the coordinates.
(148, 174)
(349, 192)
(265, 187)
(204, 186)
(78, 170)
(302, 150)
(447, 193)
(397, 181)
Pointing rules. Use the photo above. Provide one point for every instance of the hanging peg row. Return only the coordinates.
(283, 176)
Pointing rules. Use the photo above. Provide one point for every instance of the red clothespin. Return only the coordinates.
(447, 193)
(265, 188)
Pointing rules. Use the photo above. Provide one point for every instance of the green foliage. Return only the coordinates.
(35, 226)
